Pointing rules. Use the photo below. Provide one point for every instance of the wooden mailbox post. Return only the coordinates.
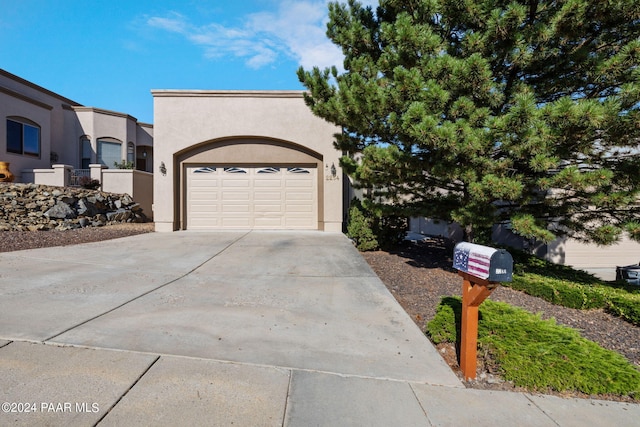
(482, 268)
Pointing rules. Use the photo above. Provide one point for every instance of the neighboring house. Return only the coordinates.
(244, 160)
(39, 128)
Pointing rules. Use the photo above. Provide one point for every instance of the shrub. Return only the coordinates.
(88, 183)
(372, 230)
(626, 306)
(539, 354)
(359, 228)
(123, 165)
(562, 285)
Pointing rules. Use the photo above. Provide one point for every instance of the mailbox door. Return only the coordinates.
(501, 267)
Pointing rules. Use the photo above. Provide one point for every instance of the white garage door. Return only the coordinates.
(223, 197)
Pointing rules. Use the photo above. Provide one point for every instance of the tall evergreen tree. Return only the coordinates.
(491, 111)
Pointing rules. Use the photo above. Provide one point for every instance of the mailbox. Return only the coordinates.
(494, 265)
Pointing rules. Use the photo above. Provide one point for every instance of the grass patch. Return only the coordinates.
(539, 354)
(562, 285)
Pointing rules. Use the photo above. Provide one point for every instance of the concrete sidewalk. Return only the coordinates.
(243, 328)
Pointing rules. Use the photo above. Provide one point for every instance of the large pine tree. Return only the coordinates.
(488, 111)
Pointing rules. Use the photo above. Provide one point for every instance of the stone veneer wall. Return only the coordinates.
(32, 207)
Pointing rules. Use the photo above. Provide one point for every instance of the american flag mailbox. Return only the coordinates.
(481, 268)
(493, 265)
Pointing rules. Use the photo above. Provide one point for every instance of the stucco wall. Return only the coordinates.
(184, 120)
(62, 122)
(137, 184)
(19, 98)
(599, 260)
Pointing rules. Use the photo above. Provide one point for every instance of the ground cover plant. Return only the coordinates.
(562, 285)
(537, 354)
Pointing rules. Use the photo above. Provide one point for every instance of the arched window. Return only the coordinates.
(23, 137)
(131, 153)
(85, 152)
(109, 151)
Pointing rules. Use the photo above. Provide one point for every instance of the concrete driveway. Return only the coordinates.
(244, 328)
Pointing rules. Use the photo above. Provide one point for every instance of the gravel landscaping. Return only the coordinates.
(419, 275)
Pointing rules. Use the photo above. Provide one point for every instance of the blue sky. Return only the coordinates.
(110, 53)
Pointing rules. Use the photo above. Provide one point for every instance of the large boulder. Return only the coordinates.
(61, 210)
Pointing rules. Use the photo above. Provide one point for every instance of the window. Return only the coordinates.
(269, 170)
(235, 170)
(85, 153)
(131, 152)
(109, 152)
(23, 137)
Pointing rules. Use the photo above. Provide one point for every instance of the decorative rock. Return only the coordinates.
(38, 207)
(121, 215)
(86, 208)
(61, 210)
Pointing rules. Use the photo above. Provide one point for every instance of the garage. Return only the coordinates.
(255, 197)
(244, 160)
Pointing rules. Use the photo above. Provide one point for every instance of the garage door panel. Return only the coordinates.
(204, 196)
(236, 208)
(203, 183)
(307, 208)
(268, 196)
(230, 196)
(210, 210)
(242, 197)
(267, 207)
(299, 183)
(298, 196)
(230, 183)
(237, 222)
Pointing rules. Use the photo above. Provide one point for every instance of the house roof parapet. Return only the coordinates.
(27, 83)
(81, 109)
(158, 93)
(25, 98)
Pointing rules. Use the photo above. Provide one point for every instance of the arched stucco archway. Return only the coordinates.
(268, 167)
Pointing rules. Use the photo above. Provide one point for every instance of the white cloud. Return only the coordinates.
(174, 22)
(296, 29)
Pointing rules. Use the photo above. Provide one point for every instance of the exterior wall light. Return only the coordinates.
(163, 169)
(331, 173)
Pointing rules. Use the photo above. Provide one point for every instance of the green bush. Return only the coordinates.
(626, 306)
(124, 165)
(539, 354)
(559, 291)
(562, 285)
(359, 228)
(372, 231)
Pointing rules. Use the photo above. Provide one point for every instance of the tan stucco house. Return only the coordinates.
(39, 128)
(244, 160)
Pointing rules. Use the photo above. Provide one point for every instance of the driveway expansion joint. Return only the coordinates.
(147, 292)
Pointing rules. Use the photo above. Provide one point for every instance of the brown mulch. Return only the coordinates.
(420, 274)
(21, 240)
